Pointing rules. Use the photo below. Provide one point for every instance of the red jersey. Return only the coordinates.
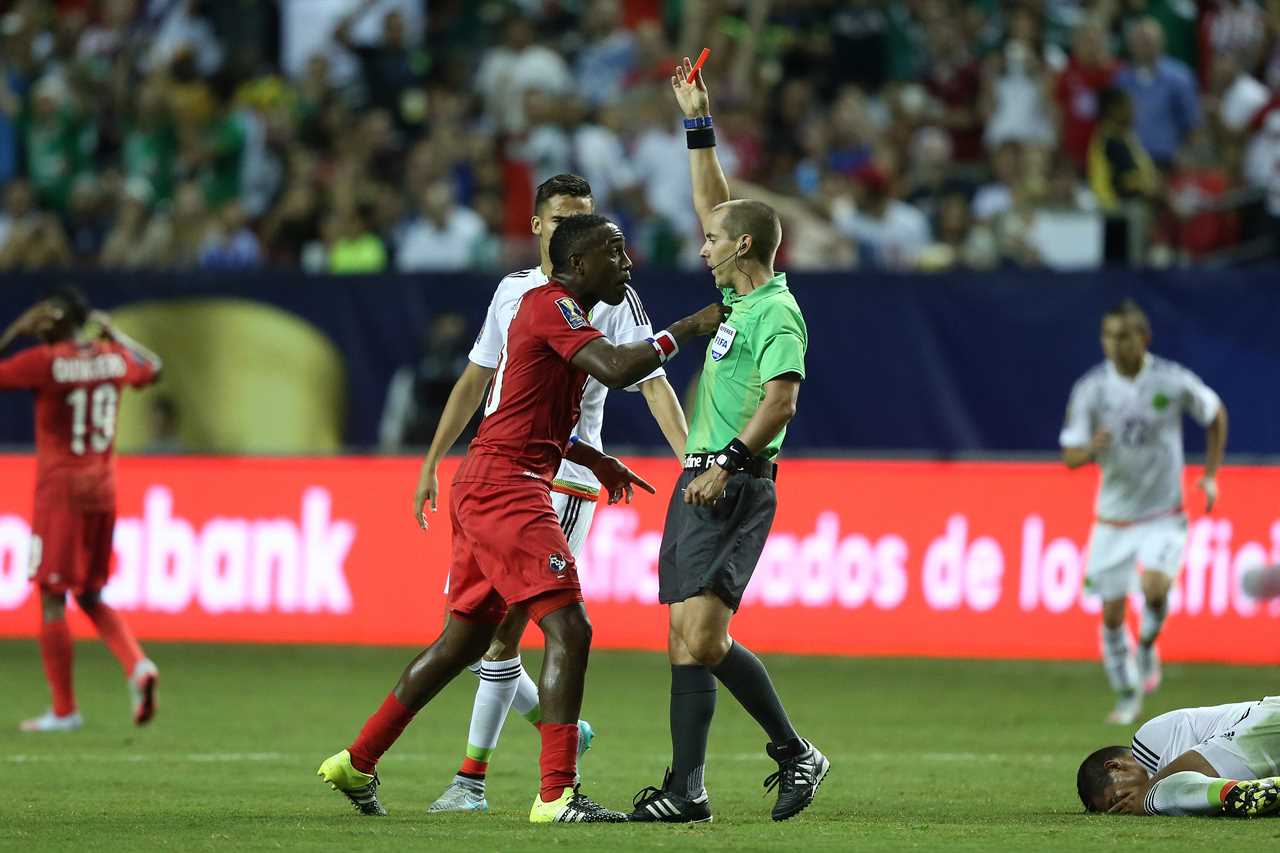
(77, 389)
(536, 392)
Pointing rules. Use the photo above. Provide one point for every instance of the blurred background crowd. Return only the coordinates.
(362, 136)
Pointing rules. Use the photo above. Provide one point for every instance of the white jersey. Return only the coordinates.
(623, 323)
(1162, 739)
(1142, 470)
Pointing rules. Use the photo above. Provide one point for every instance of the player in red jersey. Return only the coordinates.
(77, 382)
(508, 546)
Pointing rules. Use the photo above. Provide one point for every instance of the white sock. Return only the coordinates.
(489, 711)
(1117, 659)
(526, 701)
(1152, 622)
(1186, 793)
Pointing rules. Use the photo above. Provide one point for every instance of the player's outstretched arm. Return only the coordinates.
(464, 400)
(1215, 436)
(664, 405)
(709, 185)
(617, 478)
(619, 366)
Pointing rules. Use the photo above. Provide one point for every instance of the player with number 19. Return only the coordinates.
(77, 381)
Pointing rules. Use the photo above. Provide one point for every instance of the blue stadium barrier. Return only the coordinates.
(949, 364)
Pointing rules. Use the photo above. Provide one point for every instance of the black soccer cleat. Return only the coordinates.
(658, 805)
(797, 778)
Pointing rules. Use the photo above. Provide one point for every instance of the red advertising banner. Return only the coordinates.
(981, 559)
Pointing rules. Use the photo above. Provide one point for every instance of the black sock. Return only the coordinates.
(748, 681)
(693, 702)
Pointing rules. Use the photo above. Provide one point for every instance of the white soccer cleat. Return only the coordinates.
(142, 691)
(1127, 708)
(51, 722)
(1150, 673)
(460, 798)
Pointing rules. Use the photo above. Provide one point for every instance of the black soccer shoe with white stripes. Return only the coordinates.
(797, 778)
(658, 805)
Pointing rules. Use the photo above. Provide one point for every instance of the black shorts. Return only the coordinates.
(715, 547)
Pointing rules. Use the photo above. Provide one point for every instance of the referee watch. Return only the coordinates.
(734, 457)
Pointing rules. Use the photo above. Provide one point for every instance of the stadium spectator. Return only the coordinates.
(512, 68)
(932, 178)
(150, 146)
(183, 29)
(890, 233)
(417, 394)
(183, 229)
(609, 56)
(136, 240)
(392, 69)
(1235, 28)
(1120, 168)
(229, 244)
(1196, 187)
(1016, 97)
(996, 196)
(37, 243)
(954, 80)
(19, 211)
(351, 245)
(445, 235)
(1166, 105)
(57, 140)
(1089, 70)
(86, 224)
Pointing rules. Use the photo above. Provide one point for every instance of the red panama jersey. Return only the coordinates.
(77, 389)
(536, 392)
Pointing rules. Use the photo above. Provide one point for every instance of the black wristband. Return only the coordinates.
(703, 137)
(734, 457)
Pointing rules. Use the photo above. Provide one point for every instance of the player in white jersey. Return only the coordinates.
(503, 681)
(1221, 759)
(1126, 415)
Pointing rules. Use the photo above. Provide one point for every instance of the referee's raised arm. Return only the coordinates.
(709, 185)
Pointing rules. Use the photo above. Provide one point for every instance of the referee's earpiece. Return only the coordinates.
(742, 247)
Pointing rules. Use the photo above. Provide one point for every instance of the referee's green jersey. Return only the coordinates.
(763, 338)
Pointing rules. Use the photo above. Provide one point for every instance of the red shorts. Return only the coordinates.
(71, 548)
(507, 548)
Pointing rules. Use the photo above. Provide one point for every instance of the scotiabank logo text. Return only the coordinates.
(166, 564)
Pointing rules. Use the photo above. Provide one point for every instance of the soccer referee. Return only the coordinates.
(724, 503)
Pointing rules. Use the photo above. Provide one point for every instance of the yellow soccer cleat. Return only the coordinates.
(1253, 798)
(572, 807)
(360, 788)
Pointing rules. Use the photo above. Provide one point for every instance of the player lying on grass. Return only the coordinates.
(1222, 759)
(508, 546)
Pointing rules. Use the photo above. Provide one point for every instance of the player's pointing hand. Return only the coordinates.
(618, 479)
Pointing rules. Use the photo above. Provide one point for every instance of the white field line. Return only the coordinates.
(122, 757)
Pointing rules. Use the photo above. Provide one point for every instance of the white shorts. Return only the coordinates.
(1251, 748)
(575, 519)
(1115, 552)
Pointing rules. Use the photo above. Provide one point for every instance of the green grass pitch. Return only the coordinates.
(926, 755)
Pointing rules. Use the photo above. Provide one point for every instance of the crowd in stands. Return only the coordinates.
(403, 135)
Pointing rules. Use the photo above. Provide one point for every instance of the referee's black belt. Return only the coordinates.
(756, 466)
